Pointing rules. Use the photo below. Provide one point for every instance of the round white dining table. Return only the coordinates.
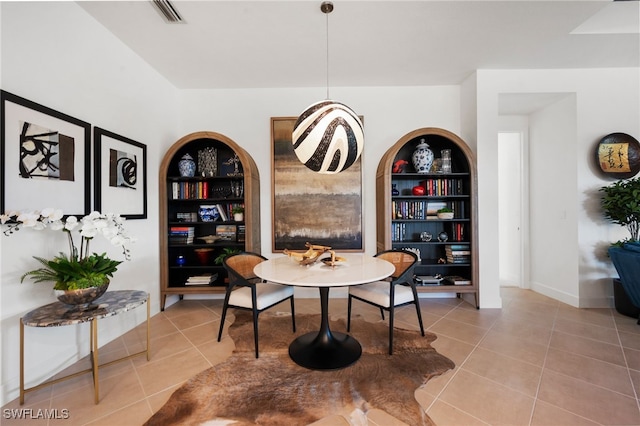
(325, 349)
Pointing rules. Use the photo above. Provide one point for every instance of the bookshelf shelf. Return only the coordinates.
(200, 206)
(404, 218)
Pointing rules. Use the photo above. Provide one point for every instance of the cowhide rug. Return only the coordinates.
(273, 390)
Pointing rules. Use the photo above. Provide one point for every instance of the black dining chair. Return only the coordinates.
(397, 290)
(249, 292)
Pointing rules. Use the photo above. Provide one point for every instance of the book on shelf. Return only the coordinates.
(242, 230)
(457, 280)
(181, 234)
(187, 216)
(223, 212)
(227, 232)
(204, 279)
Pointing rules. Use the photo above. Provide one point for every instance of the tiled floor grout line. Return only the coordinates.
(458, 368)
(544, 364)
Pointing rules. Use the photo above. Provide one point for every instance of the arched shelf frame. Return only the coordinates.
(384, 197)
(251, 203)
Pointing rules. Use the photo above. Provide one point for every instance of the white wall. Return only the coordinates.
(55, 54)
(607, 100)
(553, 201)
(389, 113)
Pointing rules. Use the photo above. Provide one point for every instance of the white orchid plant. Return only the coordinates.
(79, 269)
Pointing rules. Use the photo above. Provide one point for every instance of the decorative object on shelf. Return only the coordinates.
(208, 213)
(208, 162)
(187, 166)
(422, 157)
(445, 156)
(78, 270)
(443, 236)
(618, 155)
(204, 255)
(445, 213)
(436, 167)
(328, 136)
(394, 190)
(418, 190)
(210, 239)
(237, 189)
(180, 260)
(238, 213)
(235, 162)
(398, 166)
(426, 236)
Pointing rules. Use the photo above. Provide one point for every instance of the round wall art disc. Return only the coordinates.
(618, 155)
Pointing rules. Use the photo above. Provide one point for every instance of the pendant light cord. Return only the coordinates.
(327, 32)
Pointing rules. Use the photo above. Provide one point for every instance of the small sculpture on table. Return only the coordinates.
(313, 254)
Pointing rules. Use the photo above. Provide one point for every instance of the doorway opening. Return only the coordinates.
(512, 199)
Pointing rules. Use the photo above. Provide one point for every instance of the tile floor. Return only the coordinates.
(534, 362)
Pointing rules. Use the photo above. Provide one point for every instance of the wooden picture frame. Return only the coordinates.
(120, 179)
(306, 206)
(46, 158)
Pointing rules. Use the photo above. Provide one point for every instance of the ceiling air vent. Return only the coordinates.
(168, 11)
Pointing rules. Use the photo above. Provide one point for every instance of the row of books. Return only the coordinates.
(186, 234)
(399, 232)
(458, 232)
(443, 186)
(189, 190)
(458, 253)
(181, 234)
(209, 213)
(424, 210)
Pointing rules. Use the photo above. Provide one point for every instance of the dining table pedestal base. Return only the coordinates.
(325, 349)
(319, 352)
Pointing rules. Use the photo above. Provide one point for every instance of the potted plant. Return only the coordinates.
(621, 205)
(81, 276)
(445, 213)
(227, 251)
(238, 213)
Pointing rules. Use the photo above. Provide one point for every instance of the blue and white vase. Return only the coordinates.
(187, 166)
(422, 157)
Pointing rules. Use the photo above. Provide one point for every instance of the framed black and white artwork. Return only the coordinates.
(120, 179)
(46, 158)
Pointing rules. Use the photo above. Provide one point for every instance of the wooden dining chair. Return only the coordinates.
(249, 292)
(397, 290)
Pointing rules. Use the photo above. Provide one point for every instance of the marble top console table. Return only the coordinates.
(59, 314)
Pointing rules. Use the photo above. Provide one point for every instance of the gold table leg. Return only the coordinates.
(94, 359)
(21, 362)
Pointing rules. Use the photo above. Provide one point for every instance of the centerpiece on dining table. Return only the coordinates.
(313, 253)
(81, 276)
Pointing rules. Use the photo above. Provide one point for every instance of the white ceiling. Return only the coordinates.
(267, 44)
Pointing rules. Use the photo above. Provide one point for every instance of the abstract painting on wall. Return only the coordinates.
(46, 157)
(307, 206)
(121, 180)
